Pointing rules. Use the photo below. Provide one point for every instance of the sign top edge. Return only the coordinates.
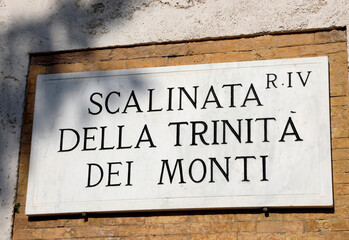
(174, 68)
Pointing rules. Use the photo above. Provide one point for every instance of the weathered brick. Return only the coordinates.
(305, 236)
(340, 166)
(340, 132)
(109, 221)
(307, 216)
(28, 118)
(199, 228)
(27, 128)
(339, 58)
(75, 222)
(66, 68)
(288, 40)
(323, 37)
(167, 219)
(339, 101)
(280, 226)
(55, 223)
(276, 53)
(246, 217)
(171, 50)
(96, 231)
(271, 217)
(21, 200)
(29, 108)
(32, 80)
(341, 201)
(341, 178)
(341, 211)
(326, 225)
(338, 90)
(170, 237)
(144, 63)
(260, 236)
(23, 223)
(330, 36)
(339, 112)
(338, 123)
(72, 57)
(96, 55)
(233, 227)
(31, 88)
(188, 60)
(337, 235)
(226, 46)
(120, 238)
(25, 148)
(23, 180)
(259, 217)
(211, 47)
(24, 167)
(254, 43)
(111, 65)
(35, 70)
(165, 50)
(229, 57)
(322, 49)
(341, 189)
(21, 214)
(90, 67)
(140, 230)
(48, 233)
(186, 228)
(21, 190)
(340, 154)
(338, 74)
(122, 221)
(177, 228)
(224, 236)
(23, 170)
(26, 138)
(26, 234)
(213, 218)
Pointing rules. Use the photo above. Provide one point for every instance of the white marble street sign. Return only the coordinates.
(226, 135)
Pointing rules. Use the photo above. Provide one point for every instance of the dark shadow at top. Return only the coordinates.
(68, 25)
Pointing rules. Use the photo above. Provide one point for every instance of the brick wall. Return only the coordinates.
(227, 224)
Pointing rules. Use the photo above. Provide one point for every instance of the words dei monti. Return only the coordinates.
(209, 132)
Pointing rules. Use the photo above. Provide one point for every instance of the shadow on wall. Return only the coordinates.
(68, 25)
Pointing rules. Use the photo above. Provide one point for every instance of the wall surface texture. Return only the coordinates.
(219, 224)
(29, 26)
